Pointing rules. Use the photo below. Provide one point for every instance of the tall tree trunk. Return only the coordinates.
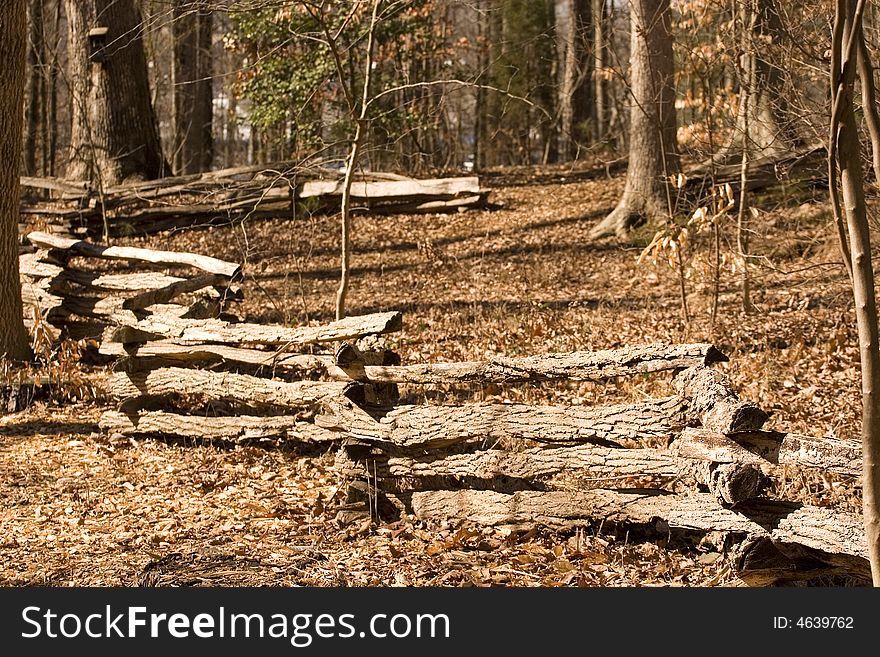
(653, 154)
(113, 127)
(49, 129)
(844, 142)
(573, 23)
(193, 97)
(599, 16)
(35, 66)
(13, 41)
(490, 150)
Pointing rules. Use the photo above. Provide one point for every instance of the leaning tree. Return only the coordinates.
(653, 154)
(13, 36)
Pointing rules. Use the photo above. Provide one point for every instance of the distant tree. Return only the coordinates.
(193, 98)
(653, 155)
(113, 127)
(763, 125)
(13, 37)
(521, 64)
(573, 27)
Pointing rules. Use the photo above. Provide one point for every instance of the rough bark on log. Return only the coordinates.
(577, 365)
(81, 248)
(158, 327)
(757, 447)
(733, 483)
(173, 290)
(716, 403)
(534, 463)
(57, 278)
(215, 353)
(221, 385)
(831, 537)
(435, 426)
(241, 427)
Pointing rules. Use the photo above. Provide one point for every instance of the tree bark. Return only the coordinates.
(34, 118)
(215, 330)
(716, 403)
(573, 22)
(240, 427)
(113, 127)
(193, 96)
(600, 47)
(845, 143)
(438, 426)
(653, 154)
(13, 40)
(203, 384)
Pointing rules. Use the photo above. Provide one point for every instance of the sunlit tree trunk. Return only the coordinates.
(653, 155)
(845, 158)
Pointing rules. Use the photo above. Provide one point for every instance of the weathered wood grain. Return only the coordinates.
(213, 330)
(578, 365)
(539, 462)
(232, 428)
(757, 447)
(221, 385)
(434, 426)
(831, 537)
(81, 248)
(715, 401)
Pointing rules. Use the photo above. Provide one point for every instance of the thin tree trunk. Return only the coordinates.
(573, 21)
(844, 133)
(748, 95)
(869, 107)
(50, 94)
(34, 95)
(360, 132)
(13, 51)
(599, 15)
(653, 155)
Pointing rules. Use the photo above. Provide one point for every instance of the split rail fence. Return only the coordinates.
(282, 189)
(693, 462)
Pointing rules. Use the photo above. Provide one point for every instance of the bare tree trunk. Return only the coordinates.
(13, 49)
(653, 155)
(113, 132)
(361, 129)
(51, 44)
(599, 16)
(572, 23)
(845, 143)
(34, 97)
(869, 107)
(193, 96)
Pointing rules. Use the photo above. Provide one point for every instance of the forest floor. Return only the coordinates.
(80, 508)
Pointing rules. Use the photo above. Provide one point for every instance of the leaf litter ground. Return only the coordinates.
(82, 508)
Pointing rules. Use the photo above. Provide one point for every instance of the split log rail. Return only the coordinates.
(281, 189)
